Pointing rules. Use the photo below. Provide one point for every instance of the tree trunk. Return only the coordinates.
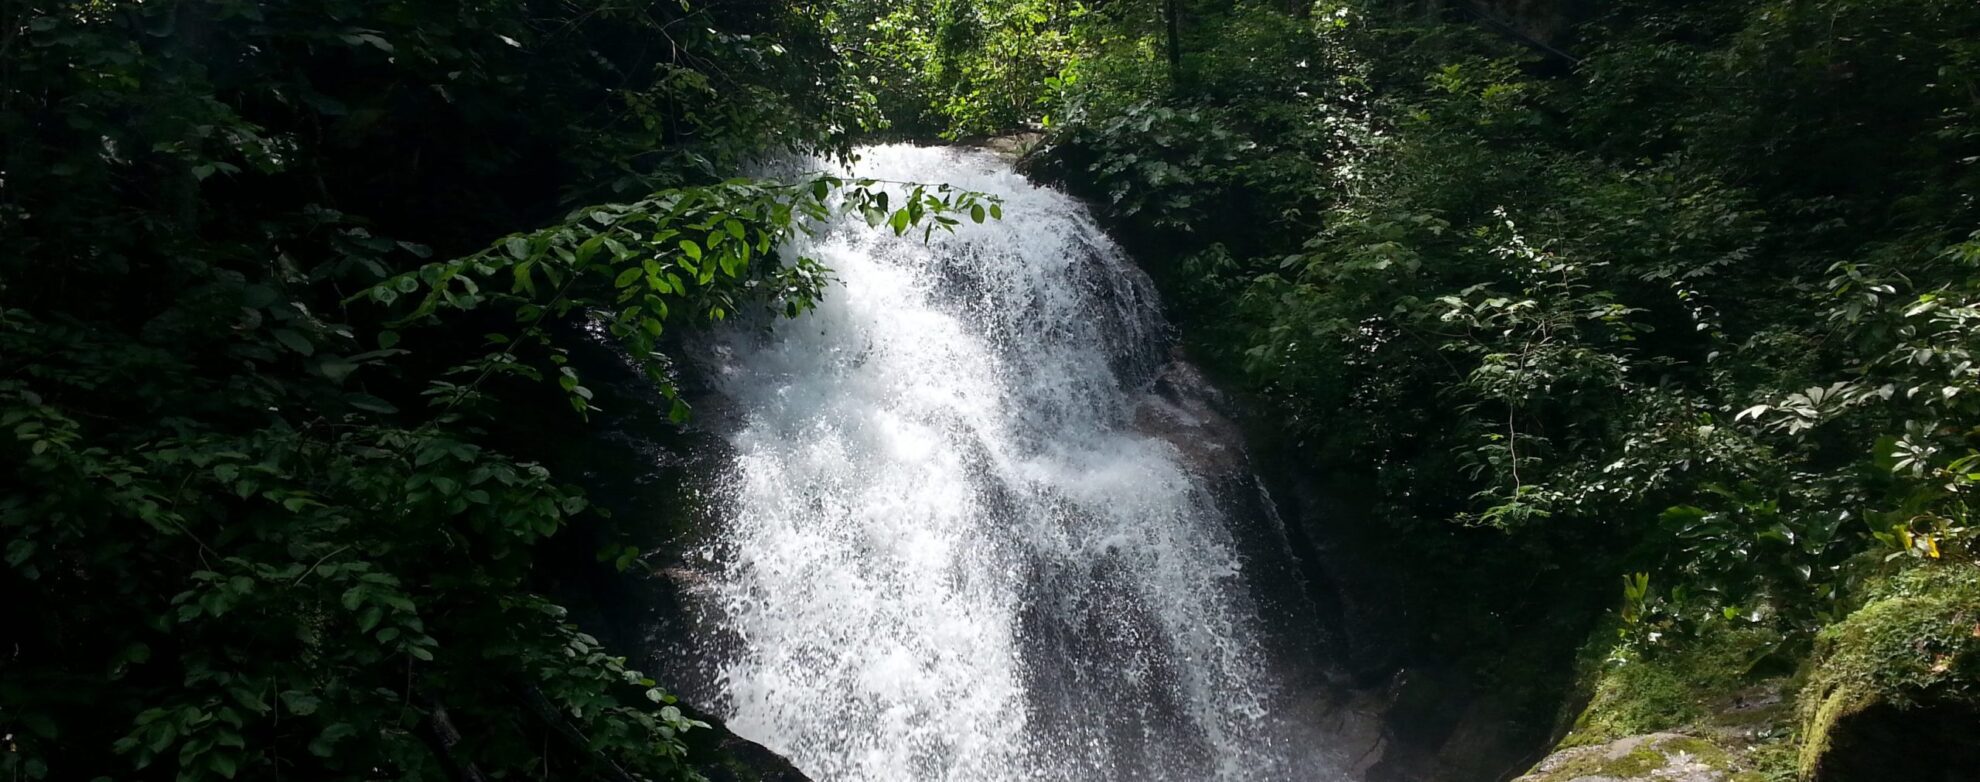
(1170, 13)
(442, 736)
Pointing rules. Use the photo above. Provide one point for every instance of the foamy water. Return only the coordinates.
(946, 555)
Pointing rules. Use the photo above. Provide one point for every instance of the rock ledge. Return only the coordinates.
(1662, 757)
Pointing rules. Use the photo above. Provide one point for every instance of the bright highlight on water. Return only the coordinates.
(948, 551)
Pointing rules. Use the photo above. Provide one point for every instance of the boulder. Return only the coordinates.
(1662, 757)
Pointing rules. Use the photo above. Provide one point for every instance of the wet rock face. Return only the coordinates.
(740, 760)
(1663, 757)
(1393, 718)
(1445, 705)
(1187, 412)
(1184, 409)
(1014, 146)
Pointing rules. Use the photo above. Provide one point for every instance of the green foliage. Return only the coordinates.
(1531, 299)
(1687, 292)
(1640, 688)
(959, 67)
(687, 253)
(1913, 638)
(269, 508)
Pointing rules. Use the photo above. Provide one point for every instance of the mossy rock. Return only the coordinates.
(1703, 708)
(1903, 668)
(1667, 757)
(1706, 684)
(1890, 692)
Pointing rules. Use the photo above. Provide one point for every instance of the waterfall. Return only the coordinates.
(951, 549)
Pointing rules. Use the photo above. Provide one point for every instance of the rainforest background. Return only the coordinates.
(1635, 339)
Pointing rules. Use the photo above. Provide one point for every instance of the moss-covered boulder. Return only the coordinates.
(1665, 757)
(1889, 692)
(1716, 684)
(1893, 690)
(1710, 707)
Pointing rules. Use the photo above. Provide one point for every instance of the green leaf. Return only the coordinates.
(691, 249)
(248, 698)
(257, 296)
(336, 368)
(369, 403)
(18, 551)
(523, 281)
(294, 341)
(369, 618)
(325, 743)
(301, 704)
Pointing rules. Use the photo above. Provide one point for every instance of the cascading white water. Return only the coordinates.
(946, 552)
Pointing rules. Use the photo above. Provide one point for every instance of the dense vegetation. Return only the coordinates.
(280, 280)
(1684, 294)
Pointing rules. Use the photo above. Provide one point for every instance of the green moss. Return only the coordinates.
(1772, 760)
(1706, 752)
(1918, 638)
(1637, 697)
(1755, 717)
(1915, 640)
(1644, 693)
(1639, 762)
(1591, 762)
(1578, 767)
(1819, 717)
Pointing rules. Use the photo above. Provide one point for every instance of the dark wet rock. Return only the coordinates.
(1461, 666)
(731, 758)
(1013, 146)
(637, 465)
(1933, 743)
(1395, 712)
(1185, 411)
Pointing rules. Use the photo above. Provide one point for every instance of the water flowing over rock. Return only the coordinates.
(976, 523)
